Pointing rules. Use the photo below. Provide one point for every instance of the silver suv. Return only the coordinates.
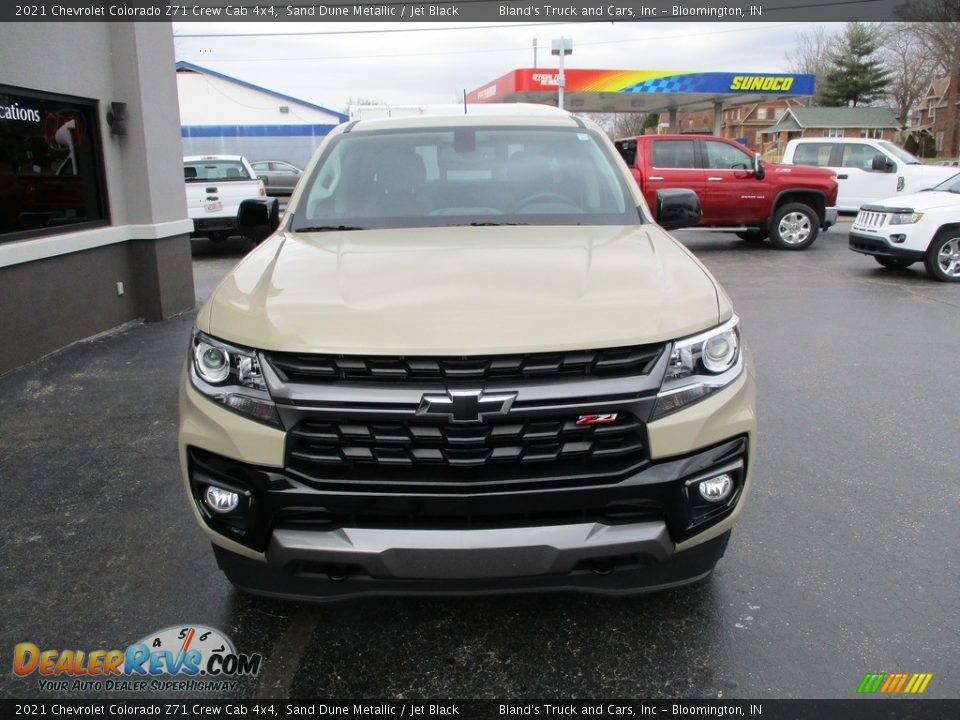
(468, 360)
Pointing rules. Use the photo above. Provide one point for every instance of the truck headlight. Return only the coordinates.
(231, 376)
(905, 218)
(700, 365)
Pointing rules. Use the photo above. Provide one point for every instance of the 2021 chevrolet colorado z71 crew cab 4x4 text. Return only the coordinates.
(468, 360)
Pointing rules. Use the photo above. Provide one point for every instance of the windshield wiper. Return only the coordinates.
(327, 228)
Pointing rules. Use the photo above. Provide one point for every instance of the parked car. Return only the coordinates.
(279, 177)
(737, 190)
(948, 163)
(215, 187)
(468, 360)
(922, 227)
(867, 170)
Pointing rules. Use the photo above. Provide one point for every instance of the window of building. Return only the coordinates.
(761, 113)
(778, 113)
(833, 132)
(873, 133)
(51, 164)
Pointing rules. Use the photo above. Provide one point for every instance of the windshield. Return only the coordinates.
(899, 153)
(464, 176)
(206, 170)
(950, 185)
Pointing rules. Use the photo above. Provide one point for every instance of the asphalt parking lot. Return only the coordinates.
(844, 561)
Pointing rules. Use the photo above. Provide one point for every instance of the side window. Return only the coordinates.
(673, 154)
(628, 151)
(721, 156)
(857, 155)
(813, 154)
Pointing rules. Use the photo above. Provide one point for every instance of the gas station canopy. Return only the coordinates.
(642, 91)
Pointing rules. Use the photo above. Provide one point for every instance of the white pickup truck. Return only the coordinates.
(215, 187)
(867, 170)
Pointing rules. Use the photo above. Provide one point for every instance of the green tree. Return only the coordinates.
(855, 74)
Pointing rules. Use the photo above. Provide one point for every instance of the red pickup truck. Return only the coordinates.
(737, 190)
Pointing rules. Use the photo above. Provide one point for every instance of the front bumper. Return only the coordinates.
(880, 246)
(830, 216)
(675, 569)
(640, 532)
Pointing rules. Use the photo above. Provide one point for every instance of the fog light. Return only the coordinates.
(898, 238)
(716, 489)
(223, 501)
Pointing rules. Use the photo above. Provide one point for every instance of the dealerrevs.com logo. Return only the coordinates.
(180, 658)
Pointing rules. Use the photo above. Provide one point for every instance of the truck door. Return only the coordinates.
(857, 181)
(672, 164)
(734, 195)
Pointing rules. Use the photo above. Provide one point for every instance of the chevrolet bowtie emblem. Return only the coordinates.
(466, 406)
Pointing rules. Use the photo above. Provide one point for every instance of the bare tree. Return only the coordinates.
(811, 54)
(937, 24)
(618, 125)
(910, 68)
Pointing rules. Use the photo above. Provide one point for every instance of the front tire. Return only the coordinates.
(794, 227)
(943, 256)
(893, 263)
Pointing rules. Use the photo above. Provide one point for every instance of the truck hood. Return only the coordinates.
(465, 290)
(926, 176)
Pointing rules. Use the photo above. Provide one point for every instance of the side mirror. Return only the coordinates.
(881, 163)
(758, 169)
(678, 208)
(257, 219)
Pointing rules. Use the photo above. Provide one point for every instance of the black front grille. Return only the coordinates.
(609, 362)
(430, 455)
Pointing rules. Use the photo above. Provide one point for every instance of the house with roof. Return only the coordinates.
(931, 118)
(842, 122)
(220, 114)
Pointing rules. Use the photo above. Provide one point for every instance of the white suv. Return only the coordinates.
(905, 229)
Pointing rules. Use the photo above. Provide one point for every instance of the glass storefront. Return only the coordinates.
(51, 164)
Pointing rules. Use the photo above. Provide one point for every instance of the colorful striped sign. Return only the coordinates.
(895, 683)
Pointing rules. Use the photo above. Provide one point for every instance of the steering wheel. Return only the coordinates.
(544, 197)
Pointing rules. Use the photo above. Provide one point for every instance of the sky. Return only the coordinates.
(330, 64)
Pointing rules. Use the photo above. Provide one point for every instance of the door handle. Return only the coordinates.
(714, 179)
(842, 177)
(211, 189)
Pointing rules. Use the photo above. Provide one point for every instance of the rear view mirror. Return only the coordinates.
(257, 219)
(881, 163)
(758, 166)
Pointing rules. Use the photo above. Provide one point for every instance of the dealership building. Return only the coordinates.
(93, 221)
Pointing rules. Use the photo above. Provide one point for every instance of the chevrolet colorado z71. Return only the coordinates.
(737, 190)
(468, 360)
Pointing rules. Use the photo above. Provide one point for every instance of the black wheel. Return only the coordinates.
(893, 263)
(218, 237)
(753, 235)
(794, 227)
(943, 256)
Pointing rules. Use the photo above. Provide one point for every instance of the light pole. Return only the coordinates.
(561, 47)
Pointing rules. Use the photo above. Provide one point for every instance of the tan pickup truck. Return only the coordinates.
(469, 359)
